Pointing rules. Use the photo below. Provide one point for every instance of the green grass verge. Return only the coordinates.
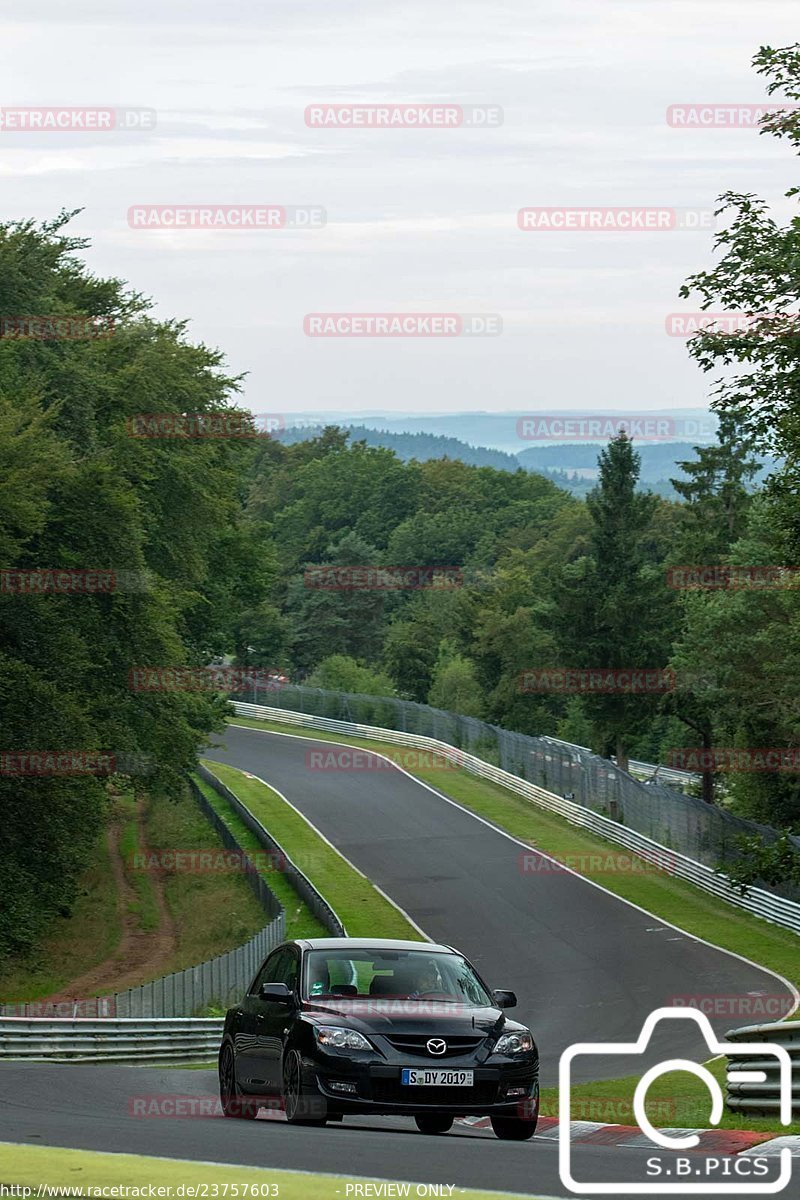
(80, 1169)
(676, 1100)
(145, 907)
(360, 906)
(300, 921)
(213, 911)
(672, 900)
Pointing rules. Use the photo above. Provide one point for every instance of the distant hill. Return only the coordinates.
(421, 446)
(509, 432)
(569, 465)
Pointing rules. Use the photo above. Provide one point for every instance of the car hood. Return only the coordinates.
(409, 1016)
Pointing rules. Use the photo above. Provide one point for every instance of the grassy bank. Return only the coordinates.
(363, 910)
(76, 943)
(300, 921)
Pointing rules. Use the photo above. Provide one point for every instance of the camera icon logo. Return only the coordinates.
(679, 1140)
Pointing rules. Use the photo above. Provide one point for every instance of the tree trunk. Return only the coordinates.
(708, 773)
(622, 754)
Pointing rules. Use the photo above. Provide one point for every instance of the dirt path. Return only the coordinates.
(140, 955)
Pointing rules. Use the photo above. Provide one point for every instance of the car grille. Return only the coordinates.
(412, 1043)
(391, 1091)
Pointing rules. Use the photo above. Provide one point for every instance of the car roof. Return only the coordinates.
(346, 943)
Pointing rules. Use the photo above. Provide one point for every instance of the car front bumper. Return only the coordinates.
(511, 1090)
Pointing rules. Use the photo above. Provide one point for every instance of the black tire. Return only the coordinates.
(231, 1099)
(302, 1107)
(513, 1129)
(433, 1123)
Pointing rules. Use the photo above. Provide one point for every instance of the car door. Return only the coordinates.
(275, 1019)
(258, 1043)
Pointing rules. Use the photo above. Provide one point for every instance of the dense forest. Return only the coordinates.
(210, 533)
(572, 465)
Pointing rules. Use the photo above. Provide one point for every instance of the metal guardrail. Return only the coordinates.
(641, 770)
(753, 1097)
(300, 882)
(760, 903)
(87, 1040)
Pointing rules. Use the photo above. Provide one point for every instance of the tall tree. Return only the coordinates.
(610, 608)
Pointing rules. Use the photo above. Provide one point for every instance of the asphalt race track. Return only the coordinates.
(586, 967)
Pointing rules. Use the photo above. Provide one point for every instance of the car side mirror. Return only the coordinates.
(279, 993)
(504, 999)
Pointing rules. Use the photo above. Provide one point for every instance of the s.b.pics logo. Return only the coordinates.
(673, 1171)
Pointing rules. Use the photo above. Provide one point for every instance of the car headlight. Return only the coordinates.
(514, 1043)
(340, 1039)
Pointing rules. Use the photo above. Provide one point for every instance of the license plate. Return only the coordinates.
(435, 1077)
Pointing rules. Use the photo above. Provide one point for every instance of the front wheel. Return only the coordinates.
(433, 1123)
(513, 1129)
(233, 1104)
(301, 1106)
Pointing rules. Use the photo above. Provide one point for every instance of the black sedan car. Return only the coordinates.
(332, 1026)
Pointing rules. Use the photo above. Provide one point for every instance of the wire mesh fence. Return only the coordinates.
(707, 833)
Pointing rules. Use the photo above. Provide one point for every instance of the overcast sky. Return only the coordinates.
(417, 220)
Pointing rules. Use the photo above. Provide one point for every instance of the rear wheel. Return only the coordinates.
(433, 1123)
(302, 1107)
(513, 1129)
(233, 1103)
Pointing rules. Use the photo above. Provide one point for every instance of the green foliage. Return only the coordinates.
(760, 863)
(455, 686)
(77, 491)
(341, 673)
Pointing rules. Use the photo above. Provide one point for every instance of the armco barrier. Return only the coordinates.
(301, 884)
(661, 808)
(165, 1040)
(752, 1096)
(757, 901)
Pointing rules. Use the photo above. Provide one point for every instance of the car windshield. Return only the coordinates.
(393, 974)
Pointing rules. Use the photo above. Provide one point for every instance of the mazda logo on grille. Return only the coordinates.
(436, 1045)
